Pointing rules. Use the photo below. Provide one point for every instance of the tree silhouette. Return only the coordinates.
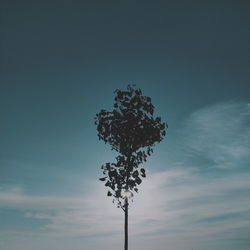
(132, 131)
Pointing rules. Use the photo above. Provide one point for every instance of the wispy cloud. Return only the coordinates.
(219, 135)
(184, 203)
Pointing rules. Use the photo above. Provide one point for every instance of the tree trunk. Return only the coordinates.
(126, 225)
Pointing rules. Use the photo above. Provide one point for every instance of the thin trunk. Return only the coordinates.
(126, 225)
(126, 209)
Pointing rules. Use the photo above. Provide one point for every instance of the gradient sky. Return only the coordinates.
(60, 62)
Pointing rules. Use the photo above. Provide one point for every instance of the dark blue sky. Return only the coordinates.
(60, 62)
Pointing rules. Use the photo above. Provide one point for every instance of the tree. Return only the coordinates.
(132, 131)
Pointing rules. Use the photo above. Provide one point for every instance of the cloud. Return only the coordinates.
(162, 207)
(185, 204)
(16, 198)
(218, 136)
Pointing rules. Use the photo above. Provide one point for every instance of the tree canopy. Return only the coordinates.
(132, 131)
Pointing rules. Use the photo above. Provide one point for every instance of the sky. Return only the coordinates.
(60, 62)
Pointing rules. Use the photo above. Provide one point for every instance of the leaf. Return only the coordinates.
(135, 174)
(118, 193)
(109, 193)
(138, 180)
(131, 183)
(102, 179)
(158, 119)
(107, 184)
(143, 170)
(112, 173)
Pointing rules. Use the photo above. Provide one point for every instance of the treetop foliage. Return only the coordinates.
(132, 131)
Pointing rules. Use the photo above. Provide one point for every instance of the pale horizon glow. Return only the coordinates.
(177, 203)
